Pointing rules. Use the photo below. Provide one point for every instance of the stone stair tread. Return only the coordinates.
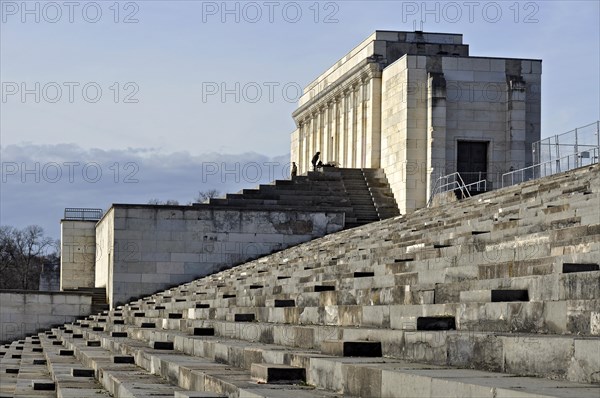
(536, 341)
(223, 372)
(400, 378)
(527, 343)
(477, 378)
(286, 391)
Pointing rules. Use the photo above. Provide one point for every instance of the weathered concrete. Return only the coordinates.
(78, 254)
(25, 312)
(143, 249)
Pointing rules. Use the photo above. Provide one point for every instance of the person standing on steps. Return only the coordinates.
(314, 160)
(294, 170)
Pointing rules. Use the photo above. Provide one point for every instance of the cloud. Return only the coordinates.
(39, 181)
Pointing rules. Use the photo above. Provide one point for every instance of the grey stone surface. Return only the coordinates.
(22, 313)
(78, 254)
(199, 242)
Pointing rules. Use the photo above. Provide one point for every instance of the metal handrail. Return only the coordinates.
(457, 182)
(542, 169)
(82, 214)
(478, 184)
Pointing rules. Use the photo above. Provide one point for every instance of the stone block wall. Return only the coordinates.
(431, 103)
(495, 100)
(143, 249)
(25, 312)
(394, 115)
(78, 254)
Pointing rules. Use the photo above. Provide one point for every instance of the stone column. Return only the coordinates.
(358, 143)
(325, 135)
(351, 143)
(344, 129)
(301, 144)
(307, 146)
(331, 121)
(366, 120)
(374, 121)
(302, 164)
(336, 130)
(313, 138)
(516, 123)
(319, 132)
(436, 129)
(321, 135)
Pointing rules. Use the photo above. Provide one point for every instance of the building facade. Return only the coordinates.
(419, 106)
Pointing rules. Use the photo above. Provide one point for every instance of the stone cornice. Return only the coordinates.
(359, 74)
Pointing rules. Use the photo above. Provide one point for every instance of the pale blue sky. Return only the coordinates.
(177, 47)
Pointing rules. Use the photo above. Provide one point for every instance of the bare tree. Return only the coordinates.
(22, 253)
(6, 249)
(205, 196)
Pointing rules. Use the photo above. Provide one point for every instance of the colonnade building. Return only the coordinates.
(417, 105)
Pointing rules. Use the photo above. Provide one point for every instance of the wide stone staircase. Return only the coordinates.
(98, 297)
(493, 296)
(362, 194)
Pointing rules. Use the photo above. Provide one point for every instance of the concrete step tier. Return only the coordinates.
(493, 296)
(333, 189)
(319, 367)
(420, 325)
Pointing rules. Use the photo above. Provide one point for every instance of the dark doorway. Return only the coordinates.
(472, 162)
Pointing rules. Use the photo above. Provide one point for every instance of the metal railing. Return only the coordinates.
(571, 142)
(550, 167)
(493, 179)
(82, 214)
(453, 182)
(576, 148)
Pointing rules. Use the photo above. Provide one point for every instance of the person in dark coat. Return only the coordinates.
(294, 169)
(315, 160)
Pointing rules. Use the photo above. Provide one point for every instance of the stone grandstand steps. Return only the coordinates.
(493, 296)
(333, 189)
(521, 355)
(356, 186)
(116, 372)
(71, 379)
(526, 317)
(98, 297)
(188, 372)
(43, 372)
